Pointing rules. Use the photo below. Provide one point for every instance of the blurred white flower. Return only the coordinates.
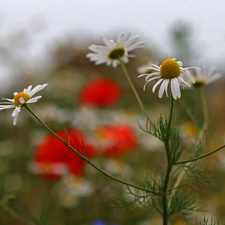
(112, 51)
(21, 99)
(205, 77)
(71, 189)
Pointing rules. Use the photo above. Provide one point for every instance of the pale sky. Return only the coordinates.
(152, 19)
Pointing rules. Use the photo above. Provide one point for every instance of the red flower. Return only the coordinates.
(101, 92)
(53, 158)
(117, 140)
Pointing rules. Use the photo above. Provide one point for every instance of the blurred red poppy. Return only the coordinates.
(116, 140)
(101, 92)
(53, 158)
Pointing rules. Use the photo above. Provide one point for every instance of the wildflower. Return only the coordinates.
(116, 140)
(21, 99)
(101, 222)
(112, 51)
(53, 159)
(169, 72)
(205, 77)
(190, 132)
(101, 92)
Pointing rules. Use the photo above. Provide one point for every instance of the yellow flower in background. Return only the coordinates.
(189, 131)
(180, 222)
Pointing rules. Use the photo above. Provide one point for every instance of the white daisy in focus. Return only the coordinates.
(21, 99)
(169, 72)
(205, 77)
(112, 51)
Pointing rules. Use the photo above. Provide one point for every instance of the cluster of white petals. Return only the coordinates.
(113, 51)
(170, 72)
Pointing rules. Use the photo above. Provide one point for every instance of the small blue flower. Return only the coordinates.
(100, 222)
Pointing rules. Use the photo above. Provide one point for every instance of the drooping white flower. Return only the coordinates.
(204, 77)
(21, 98)
(113, 51)
(170, 72)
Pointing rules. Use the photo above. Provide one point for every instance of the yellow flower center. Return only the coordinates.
(117, 53)
(17, 97)
(170, 69)
(199, 82)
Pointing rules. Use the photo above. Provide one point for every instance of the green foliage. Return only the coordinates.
(207, 221)
(183, 203)
(160, 130)
(166, 190)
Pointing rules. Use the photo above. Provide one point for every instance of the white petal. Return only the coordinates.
(37, 89)
(175, 88)
(21, 100)
(183, 82)
(6, 107)
(35, 99)
(15, 119)
(8, 99)
(188, 75)
(163, 87)
(107, 42)
(157, 83)
(214, 77)
(179, 63)
(149, 81)
(16, 111)
(27, 90)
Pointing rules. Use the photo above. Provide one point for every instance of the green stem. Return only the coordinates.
(200, 157)
(169, 168)
(85, 158)
(201, 134)
(203, 129)
(132, 86)
(204, 113)
(17, 215)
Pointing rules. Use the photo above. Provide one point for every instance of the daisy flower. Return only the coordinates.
(170, 72)
(21, 99)
(207, 76)
(112, 51)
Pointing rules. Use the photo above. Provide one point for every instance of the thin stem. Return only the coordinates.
(132, 86)
(201, 134)
(200, 157)
(17, 216)
(204, 128)
(169, 168)
(204, 113)
(188, 111)
(171, 113)
(85, 158)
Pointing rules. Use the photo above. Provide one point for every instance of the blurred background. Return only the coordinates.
(47, 42)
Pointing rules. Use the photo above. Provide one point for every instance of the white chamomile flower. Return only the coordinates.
(205, 77)
(112, 51)
(21, 99)
(169, 72)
